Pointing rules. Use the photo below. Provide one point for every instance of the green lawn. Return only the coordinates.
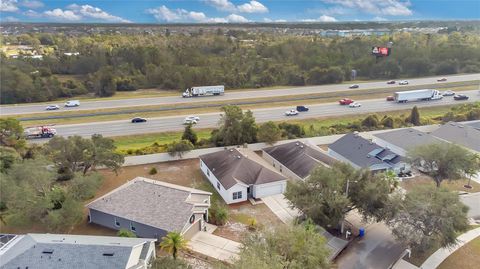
(467, 256)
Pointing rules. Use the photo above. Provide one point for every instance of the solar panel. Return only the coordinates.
(375, 152)
(389, 157)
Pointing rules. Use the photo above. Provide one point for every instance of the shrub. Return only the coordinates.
(125, 233)
(218, 214)
(152, 171)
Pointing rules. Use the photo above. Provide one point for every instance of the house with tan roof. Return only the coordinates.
(239, 174)
(151, 208)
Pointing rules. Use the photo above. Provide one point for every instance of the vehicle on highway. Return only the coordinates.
(417, 95)
(391, 82)
(345, 101)
(302, 108)
(204, 91)
(72, 103)
(442, 79)
(355, 104)
(189, 121)
(39, 132)
(390, 98)
(460, 97)
(52, 107)
(354, 86)
(138, 120)
(196, 118)
(403, 82)
(292, 112)
(448, 93)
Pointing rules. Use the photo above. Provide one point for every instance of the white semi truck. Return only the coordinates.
(204, 91)
(417, 95)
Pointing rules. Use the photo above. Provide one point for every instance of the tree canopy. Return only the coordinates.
(235, 127)
(269, 133)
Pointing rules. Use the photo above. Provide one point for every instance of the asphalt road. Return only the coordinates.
(208, 120)
(138, 102)
(473, 202)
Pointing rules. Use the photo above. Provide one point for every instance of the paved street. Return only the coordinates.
(229, 95)
(473, 202)
(208, 120)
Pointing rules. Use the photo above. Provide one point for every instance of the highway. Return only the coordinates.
(209, 120)
(6, 110)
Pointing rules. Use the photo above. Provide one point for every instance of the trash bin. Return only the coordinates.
(361, 232)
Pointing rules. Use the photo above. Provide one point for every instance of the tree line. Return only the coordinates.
(110, 63)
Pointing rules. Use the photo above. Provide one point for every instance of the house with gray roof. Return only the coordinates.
(151, 208)
(238, 175)
(60, 251)
(401, 141)
(296, 160)
(363, 153)
(461, 134)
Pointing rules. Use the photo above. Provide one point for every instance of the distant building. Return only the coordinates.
(151, 208)
(60, 251)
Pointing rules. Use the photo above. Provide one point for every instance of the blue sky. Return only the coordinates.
(205, 11)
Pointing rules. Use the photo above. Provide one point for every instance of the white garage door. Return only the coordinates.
(264, 191)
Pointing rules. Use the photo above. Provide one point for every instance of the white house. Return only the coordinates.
(239, 176)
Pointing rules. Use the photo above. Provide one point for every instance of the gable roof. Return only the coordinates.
(461, 134)
(158, 204)
(364, 153)
(299, 157)
(51, 251)
(231, 167)
(407, 138)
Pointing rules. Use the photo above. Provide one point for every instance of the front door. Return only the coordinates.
(249, 191)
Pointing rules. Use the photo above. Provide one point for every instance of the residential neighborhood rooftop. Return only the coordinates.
(299, 157)
(461, 134)
(51, 251)
(231, 167)
(151, 202)
(407, 138)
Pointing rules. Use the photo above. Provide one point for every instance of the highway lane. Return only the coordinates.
(209, 120)
(232, 95)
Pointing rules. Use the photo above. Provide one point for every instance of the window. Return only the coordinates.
(237, 195)
(218, 185)
(273, 164)
(280, 168)
(117, 223)
(132, 227)
(208, 172)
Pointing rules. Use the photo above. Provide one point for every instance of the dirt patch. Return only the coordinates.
(453, 185)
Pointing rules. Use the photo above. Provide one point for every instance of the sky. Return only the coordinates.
(235, 11)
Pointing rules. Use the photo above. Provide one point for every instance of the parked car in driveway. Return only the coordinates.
(391, 82)
(354, 86)
(390, 98)
(345, 101)
(355, 104)
(138, 120)
(302, 108)
(403, 82)
(442, 79)
(460, 97)
(292, 112)
(52, 107)
(448, 93)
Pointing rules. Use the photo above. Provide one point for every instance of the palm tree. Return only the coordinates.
(173, 242)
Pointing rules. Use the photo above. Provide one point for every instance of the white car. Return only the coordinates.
(52, 107)
(355, 104)
(448, 93)
(189, 121)
(403, 82)
(292, 112)
(72, 103)
(196, 118)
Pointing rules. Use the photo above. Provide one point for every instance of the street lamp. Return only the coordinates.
(342, 226)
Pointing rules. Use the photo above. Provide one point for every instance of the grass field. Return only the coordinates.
(467, 256)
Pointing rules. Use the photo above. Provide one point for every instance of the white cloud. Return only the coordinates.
(10, 19)
(32, 4)
(249, 7)
(87, 11)
(377, 18)
(270, 20)
(336, 10)
(59, 14)
(325, 18)
(32, 14)
(236, 18)
(383, 7)
(252, 7)
(8, 5)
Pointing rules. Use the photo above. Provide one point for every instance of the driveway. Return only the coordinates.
(376, 250)
(215, 246)
(280, 207)
(473, 202)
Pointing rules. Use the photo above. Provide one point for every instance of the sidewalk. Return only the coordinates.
(278, 204)
(440, 255)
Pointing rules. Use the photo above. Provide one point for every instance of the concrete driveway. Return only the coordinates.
(473, 202)
(280, 207)
(215, 246)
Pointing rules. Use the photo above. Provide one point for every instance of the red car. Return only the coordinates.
(390, 98)
(345, 101)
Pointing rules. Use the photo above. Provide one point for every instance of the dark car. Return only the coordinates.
(391, 82)
(459, 97)
(302, 108)
(137, 120)
(442, 79)
(354, 86)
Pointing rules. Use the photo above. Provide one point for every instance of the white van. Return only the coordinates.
(72, 103)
